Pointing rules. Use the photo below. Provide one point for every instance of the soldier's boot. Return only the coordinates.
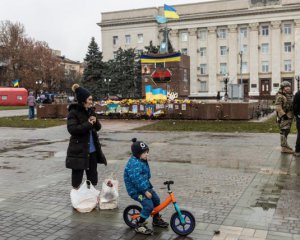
(284, 145)
(286, 150)
(289, 147)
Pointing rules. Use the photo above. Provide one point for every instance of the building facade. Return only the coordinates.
(254, 42)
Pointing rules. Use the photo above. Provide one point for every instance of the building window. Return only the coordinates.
(244, 67)
(202, 35)
(127, 39)
(288, 47)
(185, 75)
(184, 36)
(203, 86)
(115, 54)
(265, 48)
(203, 52)
(265, 66)
(223, 50)
(19, 97)
(222, 83)
(287, 65)
(184, 51)
(287, 28)
(265, 30)
(243, 32)
(223, 68)
(203, 69)
(222, 33)
(4, 98)
(115, 40)
(140, 38)
(244, 48)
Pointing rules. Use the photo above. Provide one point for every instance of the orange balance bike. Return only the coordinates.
(182, 222)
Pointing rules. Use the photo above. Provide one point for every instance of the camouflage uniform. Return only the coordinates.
(284, 109)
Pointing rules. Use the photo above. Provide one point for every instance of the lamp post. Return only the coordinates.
(297, 78)
(38, 83)
(107, 81)
(226, 79)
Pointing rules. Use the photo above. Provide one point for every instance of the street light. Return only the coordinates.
(107, 81)
(226, 79)
(297, 78)
(38, 83)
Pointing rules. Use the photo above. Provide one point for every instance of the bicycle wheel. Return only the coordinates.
(183, 229)
(129, 212)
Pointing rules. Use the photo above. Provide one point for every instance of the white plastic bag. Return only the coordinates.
(86, 198)
(109, 194)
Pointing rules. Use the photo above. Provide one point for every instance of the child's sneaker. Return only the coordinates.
(143, 229)
(159, 222)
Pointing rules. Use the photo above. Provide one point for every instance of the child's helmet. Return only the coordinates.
(138, 147)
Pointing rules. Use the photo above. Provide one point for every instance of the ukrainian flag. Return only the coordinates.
(15, 83)
(170, 12)
(158, 58)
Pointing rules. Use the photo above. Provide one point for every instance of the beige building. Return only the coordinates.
(255, 42)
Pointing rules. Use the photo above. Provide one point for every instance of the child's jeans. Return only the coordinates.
(147, 204)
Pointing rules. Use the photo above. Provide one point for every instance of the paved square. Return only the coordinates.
(238, 184)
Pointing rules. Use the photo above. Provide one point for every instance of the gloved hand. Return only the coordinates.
(285, 117)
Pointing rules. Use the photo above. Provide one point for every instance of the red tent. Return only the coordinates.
(13, 96)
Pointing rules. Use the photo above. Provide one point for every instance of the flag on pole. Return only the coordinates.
(170, 12)
(15, 83)
(161, 19)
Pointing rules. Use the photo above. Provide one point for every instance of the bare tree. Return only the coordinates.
(30, 61)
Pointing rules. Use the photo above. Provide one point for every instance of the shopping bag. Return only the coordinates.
(86, 198)
(109, 194)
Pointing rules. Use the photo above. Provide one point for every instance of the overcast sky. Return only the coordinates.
(68, 25)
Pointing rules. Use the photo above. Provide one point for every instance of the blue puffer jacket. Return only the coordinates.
(137, 176)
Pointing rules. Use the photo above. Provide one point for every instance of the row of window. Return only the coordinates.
(223, 49)
(221, 33)
(243, 32)
(264, 67)
(140, 39)
(4, 97)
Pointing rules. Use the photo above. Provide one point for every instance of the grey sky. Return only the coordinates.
(68, 25)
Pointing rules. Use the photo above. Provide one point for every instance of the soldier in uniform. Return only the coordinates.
(284, 110)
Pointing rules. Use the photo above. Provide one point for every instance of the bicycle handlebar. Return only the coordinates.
(168, 183)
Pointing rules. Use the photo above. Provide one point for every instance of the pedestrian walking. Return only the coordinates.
(137, 181)
(296, 108)
(84, 150)
(284, 110)
(218, 96)
(31, 102)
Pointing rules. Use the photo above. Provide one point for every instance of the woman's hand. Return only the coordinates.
(92, 119)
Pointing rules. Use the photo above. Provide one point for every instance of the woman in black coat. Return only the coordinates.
(84, 151)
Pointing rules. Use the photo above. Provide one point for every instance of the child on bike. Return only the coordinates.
(137, 181)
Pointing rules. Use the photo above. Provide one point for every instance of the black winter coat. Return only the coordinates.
(79, 128)
(296, 105)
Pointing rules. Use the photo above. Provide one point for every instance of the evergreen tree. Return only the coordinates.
(125, 73)
(93, 72)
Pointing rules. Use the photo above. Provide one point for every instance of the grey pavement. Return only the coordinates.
(11, 113)
(237, 183)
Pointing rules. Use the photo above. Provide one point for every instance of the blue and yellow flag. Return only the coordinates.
(170, 12)
(161, 19)
(161, 58)
(15, 83)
